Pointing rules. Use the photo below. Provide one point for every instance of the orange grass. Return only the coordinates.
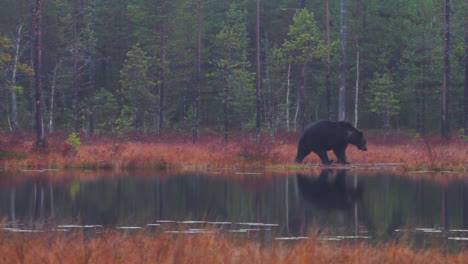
(115, 247)
(213, 152)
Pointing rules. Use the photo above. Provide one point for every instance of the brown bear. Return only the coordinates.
(321, 136)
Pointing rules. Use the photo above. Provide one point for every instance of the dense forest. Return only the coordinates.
(155, 66)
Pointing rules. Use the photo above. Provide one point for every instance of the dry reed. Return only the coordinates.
(114, 247)
(408, 154)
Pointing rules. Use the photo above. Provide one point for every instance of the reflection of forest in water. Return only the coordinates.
(333, 202)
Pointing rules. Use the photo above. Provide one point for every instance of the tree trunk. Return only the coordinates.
(287, 96)
(327, 63)
(75, 67)
(301, 98)
(258, 74)
(40, 139)
(303, 3)
(466, 79)
(420, 103)
(225, 114)
(271, 115)
(92, 64)
(417, 97)
(423, 110)
(162, 76)
(445, 127)
(31, 94)
(14, 107)
(196, 129)
(342, 91)
(387, 112)
(52, 96)
(137, 121)
(356, 96)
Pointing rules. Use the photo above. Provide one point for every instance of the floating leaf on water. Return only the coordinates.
(459, 238)
(257, 224)
(428, 230)
(60, 230)
(165, 221)
(153, 224)
(290, 238)
(16, 230)
(79, 226)
(238, 231)
(219, 223)
(331, 238)
(192, 222)
(353, 237)
(129, 227)
(190, 232)
(245, 230)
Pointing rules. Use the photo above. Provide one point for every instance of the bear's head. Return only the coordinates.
(354, 136)
(357, 138)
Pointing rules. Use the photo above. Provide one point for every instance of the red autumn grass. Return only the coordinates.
(177, 151)
(114, 247)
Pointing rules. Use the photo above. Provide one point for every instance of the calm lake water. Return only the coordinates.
(336, 204)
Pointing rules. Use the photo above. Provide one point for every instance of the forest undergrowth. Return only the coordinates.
(177, 151)
(117, 247)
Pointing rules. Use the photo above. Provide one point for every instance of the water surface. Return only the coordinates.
(336, 204)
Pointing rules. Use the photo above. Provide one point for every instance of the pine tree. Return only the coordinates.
(232, 64)
(303, 46)
(136, 88)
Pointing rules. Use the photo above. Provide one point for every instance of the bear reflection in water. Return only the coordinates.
(327, 195)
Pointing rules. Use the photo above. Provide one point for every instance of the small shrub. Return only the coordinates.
(255, 151)
(11, 154)
(74, 141)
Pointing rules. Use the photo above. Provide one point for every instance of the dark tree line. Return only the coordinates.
(101, 66)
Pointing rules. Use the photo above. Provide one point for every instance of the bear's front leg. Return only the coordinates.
(340, 155)
(324, 157)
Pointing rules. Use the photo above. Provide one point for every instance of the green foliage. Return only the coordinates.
(5, 56)
(401, 36)
(382, 98)
(106, 109)
(74, 141)
(304, 43)
(136, 85)
(11, 154)
(232, 65)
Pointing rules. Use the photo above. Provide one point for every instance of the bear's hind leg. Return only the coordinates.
(340, 155)
(323, 157)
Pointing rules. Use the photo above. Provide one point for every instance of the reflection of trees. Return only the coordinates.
(329, 199)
